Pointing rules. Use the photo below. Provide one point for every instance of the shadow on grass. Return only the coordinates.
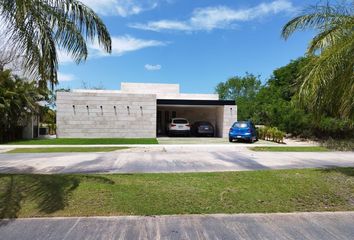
(49, 192)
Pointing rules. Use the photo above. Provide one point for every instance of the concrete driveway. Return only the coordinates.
(207, 158)
(321, 226)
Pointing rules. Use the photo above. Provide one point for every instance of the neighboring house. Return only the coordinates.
(30, 129)
(138, 110)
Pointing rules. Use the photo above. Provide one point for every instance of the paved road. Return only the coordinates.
(170, 159)
(312, 226)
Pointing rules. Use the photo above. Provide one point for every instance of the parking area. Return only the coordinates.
(219, 114)
(191, 114)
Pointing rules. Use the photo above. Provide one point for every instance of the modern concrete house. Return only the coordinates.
(138, 110)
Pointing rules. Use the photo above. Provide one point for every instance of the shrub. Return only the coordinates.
(339, 144)
(271, 134)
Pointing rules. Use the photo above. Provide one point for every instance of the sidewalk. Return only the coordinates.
(322, 226)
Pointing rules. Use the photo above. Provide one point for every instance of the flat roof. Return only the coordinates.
(195, 102)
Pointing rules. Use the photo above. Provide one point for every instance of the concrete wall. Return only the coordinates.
(219, 121)
(229, 117)
(30, 127)
(108, 122)
(164, 91)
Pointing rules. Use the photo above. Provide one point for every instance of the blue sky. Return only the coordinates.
(196, 43)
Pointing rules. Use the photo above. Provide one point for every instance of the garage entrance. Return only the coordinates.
(193, 114)
(220, 113)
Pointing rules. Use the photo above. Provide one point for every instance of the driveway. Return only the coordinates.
(207, 158)
(321, 226)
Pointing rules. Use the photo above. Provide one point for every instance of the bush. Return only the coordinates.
(271, 134)
(339, 144)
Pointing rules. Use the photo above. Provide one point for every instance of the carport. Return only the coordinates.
(220, 113)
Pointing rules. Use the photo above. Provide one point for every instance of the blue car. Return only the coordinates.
(243, 130)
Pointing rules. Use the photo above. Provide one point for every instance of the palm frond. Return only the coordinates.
(327, 81)
(38, 27)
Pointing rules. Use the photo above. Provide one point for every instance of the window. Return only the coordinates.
(183, 121)
(240, 125)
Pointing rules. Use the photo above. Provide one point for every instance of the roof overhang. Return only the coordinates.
(195, 102)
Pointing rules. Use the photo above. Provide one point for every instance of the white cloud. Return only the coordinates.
(63, 57)
(120, 46)
(151, 67)
(63, 77)
(163, 25)
(122, 8)
(210, 18)
(124, 44)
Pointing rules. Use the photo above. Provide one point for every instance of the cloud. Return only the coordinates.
(219, 17)
(120, 45)
(163, 25)
(64, 57)
(124, 44)
(122, 8)
(63, 77)
(150, 67)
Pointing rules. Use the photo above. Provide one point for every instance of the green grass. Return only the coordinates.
(177, 193)
(85, 141)
(290, 149)
(65, 149)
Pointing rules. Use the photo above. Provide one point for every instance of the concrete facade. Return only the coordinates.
(132, 111)
(105, 115)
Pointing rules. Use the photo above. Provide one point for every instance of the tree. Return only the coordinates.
(327, 80)
(38, 28)
(18, 101)
(243, 90)
(276, 104)
(9, 59)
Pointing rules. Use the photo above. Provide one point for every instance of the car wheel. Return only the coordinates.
(230, 139)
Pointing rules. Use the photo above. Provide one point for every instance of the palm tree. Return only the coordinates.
(18, 102)
(38, 28)
(327, 81)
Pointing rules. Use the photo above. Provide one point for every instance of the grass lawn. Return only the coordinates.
(65, 149)
(177, 193)
(290, 149)
(84, 141)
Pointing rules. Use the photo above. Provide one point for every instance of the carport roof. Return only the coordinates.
(195, 102)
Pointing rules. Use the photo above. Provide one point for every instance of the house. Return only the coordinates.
(138, 110)
(30, 129)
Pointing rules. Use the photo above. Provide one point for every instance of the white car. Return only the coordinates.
(178, 126)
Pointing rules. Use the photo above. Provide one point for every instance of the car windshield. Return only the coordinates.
(240, 125)
(203, 123)
(180, 121)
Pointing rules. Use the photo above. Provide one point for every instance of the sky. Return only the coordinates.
(196, 43)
